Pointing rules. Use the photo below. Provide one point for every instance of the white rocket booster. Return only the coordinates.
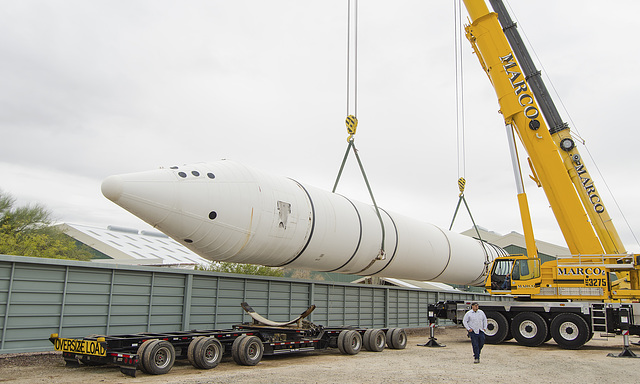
(225, 211)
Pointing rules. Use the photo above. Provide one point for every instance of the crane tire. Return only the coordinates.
(497, 327)
(529, 329)
(570, 330)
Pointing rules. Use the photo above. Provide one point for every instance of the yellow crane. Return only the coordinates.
(574, 296)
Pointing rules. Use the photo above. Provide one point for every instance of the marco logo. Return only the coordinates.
(519, 85)
(579, 271)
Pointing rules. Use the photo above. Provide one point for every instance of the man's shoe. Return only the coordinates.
(476, 361)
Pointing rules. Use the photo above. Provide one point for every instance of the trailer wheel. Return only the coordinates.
(341, 337)
(208, 353)
(352, 342)
(376, 340)
(235, 349)
(158, 357)
(570, 330)
(191, 349)
(140, 352)
(497, 327)
(529, 329)
(250, 350)
(388, 337)
(365, 339)
(396, 338)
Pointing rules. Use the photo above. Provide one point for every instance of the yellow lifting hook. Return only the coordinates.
(352, 124)
(461, 183)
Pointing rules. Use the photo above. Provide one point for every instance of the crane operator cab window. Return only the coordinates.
(506, 272)
(501, 275)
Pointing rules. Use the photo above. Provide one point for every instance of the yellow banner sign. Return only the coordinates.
(85, 347)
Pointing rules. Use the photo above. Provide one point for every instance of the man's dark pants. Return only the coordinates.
(477, 342)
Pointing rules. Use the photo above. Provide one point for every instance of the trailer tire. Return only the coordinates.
(250, 350)
(365, 339)
(191, 349)
(570, 330)
(341, 337)
(235, 349)
(140, 352)
(396, 338)
(158, 357)
(208, 353)
(351, 342)
(388, 337)
(376, 340)
(529, 329)
(497, 327)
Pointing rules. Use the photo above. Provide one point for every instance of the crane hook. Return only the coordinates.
(352, 124)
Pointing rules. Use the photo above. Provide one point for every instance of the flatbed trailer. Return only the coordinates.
(247, 343)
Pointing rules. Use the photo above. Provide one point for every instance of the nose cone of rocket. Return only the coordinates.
(112, 188)
(148, 195)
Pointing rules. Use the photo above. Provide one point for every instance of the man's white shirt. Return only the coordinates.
(475, 320)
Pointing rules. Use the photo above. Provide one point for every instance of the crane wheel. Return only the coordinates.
(529, 329)
(570, 330)
(497, 327)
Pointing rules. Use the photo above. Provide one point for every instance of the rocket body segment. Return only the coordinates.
(225, 211)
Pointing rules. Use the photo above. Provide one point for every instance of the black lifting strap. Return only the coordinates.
(352, 124)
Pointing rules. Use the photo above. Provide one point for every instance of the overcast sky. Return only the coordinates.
(94, 88)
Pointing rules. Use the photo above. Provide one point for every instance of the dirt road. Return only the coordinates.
(504, 363)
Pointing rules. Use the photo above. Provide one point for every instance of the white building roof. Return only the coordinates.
(130, 246)
(515, 238)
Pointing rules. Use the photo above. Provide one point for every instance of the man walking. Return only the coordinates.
(475, 321)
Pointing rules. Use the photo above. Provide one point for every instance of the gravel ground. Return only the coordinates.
(507, 362)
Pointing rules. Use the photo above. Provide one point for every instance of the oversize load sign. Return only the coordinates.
(85, 347)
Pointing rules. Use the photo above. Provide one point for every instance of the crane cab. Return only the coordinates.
(517, 275)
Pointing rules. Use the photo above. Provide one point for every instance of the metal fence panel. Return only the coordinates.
(74, 299)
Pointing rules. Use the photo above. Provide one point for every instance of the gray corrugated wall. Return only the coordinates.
(39, 297)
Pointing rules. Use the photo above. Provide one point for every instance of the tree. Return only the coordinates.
(245, 269)
(28, 231)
